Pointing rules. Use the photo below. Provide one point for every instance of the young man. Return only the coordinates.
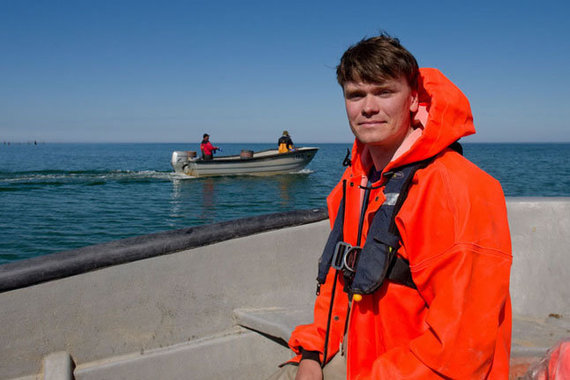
(207, 148)
(450, 317)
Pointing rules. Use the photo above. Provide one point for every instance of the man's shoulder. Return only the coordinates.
(453, 176)
(459, 168)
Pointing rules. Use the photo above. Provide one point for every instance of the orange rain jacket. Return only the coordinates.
(454, 232)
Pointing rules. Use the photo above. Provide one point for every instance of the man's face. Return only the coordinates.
(379, 113)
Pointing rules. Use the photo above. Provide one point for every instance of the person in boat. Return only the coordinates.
(285, 143)
(417, 289)
(207, 148)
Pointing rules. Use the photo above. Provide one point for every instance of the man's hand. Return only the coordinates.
(309, 370)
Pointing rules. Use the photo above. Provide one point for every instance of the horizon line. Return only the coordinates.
(36, 142)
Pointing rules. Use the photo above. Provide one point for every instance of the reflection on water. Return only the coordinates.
(289, 186)
(211, 199)
(193, 200)
(208, 199)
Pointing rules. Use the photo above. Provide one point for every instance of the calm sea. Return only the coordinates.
(55, 197)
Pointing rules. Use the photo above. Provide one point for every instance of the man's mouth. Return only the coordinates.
(372, 122)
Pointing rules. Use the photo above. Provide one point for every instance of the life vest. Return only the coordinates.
(285, 144)
(365, 268)
(283, 148)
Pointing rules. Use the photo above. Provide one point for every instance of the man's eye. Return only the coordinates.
(354, 96)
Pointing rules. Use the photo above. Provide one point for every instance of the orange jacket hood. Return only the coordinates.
(449, 118)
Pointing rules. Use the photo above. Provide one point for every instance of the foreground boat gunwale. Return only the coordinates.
(36, 270)
(161, 317)
(55, 266)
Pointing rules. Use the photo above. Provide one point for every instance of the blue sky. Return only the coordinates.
(167, 71)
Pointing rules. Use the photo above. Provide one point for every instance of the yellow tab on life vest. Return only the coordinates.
(283, 148)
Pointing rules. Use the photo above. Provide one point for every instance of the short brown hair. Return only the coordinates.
(376, 60)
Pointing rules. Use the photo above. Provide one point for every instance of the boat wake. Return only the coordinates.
(22, 180)
(91, 177)
(179, 176)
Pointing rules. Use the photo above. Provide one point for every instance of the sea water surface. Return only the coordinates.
(56, 197)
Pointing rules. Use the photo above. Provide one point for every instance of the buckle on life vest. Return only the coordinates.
(345, 256)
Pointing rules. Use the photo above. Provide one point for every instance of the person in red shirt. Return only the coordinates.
(207, 148)
(454, 320)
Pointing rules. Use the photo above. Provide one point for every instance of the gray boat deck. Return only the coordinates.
(163, 307)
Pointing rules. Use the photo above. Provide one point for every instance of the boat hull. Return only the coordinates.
(268, 162)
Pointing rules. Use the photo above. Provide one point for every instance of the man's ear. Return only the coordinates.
(419, 118)
(415, 101)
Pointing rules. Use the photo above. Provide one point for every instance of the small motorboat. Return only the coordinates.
(265, 162)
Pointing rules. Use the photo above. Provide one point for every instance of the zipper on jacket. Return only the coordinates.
(363, 208)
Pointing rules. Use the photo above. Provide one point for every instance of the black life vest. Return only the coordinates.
(365, 268)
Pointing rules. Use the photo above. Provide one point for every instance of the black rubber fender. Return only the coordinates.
(23, 273)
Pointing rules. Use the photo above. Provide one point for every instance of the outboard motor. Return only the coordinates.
(181, 158)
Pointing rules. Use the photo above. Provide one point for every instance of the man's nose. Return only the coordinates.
(370, 106)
